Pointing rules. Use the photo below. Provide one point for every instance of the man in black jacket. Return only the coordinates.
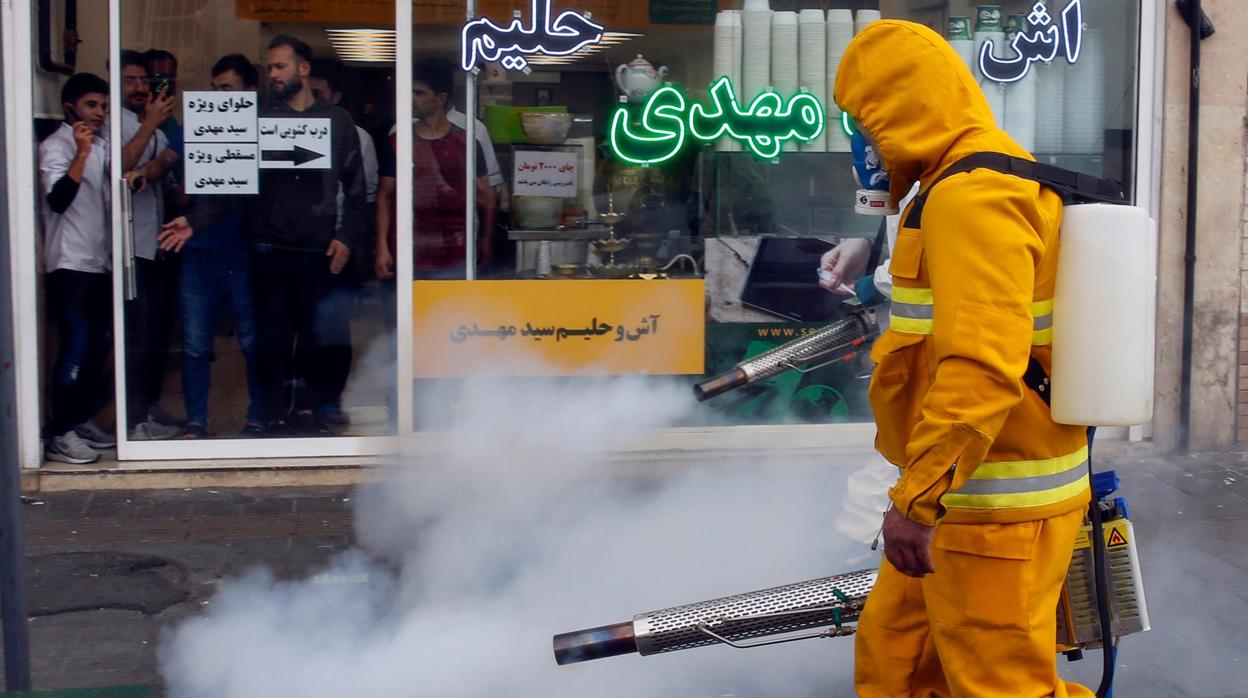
(302, 247)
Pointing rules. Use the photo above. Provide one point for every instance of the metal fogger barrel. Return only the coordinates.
(829, 603)
(837, 342)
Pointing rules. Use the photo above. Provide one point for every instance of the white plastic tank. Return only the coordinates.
(1103, 316)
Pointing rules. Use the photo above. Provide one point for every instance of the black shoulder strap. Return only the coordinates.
(1074, 187)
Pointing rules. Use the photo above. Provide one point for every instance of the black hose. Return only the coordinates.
(1194, 15)
(1101, 583)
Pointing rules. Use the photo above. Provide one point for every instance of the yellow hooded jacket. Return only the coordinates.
(973, 289)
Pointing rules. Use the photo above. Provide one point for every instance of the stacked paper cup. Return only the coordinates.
(959, 33)
(864, 18)
(840, 31)
(1050, 105)
(988, 27)
(727, 61)
(1085, 97)
(1020, 96)
(756, 49)
(812, 64)
(784, 72)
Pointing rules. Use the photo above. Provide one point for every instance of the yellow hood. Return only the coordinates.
(904, 84)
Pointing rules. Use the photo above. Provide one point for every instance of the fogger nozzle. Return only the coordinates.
(829, 601)
(836, 342)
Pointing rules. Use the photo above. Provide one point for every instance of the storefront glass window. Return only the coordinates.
(619, 226)
(754, 230)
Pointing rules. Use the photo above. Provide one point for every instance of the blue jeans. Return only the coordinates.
(211, 278)
(81, 304)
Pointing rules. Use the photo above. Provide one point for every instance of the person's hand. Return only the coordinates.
(174, 234)
(844, 263)
(383, 266)
(159, 109)
(84, 136)
(908, 545)
(338, 254)
(135, 181)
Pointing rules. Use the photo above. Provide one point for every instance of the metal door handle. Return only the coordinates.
(130, 283)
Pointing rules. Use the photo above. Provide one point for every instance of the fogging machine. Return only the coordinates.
(828, 607)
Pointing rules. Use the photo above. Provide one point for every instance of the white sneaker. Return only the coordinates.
(70, 448)
(153, 431)
(93, 436)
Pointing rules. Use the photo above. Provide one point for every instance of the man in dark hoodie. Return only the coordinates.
(302, 246)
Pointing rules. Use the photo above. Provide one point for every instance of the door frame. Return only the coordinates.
(220, 449)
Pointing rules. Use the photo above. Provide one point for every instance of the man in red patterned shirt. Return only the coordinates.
(439, 169)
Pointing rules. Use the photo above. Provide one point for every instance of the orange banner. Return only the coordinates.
(558, 328)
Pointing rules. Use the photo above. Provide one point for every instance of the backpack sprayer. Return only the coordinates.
(1103, 328)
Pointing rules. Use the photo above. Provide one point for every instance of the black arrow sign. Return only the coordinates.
(298, 156)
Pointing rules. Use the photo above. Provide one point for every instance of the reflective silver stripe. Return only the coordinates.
(912, 310)
(1043, 322)
(1016, 485)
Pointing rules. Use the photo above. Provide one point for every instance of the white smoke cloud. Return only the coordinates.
(469, 563)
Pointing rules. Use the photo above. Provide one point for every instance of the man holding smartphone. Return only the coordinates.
(150, 316)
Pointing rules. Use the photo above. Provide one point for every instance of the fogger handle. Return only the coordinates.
(835, 342)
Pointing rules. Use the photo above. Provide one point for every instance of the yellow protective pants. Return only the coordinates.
(983, 625)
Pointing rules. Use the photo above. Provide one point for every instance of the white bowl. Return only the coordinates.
(541, 128)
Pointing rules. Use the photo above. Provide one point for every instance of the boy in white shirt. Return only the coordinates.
(73, 177)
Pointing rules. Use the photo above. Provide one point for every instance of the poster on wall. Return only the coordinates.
(545, 173)
(558, 328)
(221, 135)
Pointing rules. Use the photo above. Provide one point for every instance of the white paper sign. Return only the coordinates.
(219, 117)
(295, 144)
(544, 173)
(222, 168)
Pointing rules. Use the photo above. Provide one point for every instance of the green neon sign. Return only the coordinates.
(668, 121)
(847, 125)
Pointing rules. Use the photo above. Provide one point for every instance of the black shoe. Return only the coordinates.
(309, 425)
(253, 430)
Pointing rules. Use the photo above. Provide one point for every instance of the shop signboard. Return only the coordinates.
(443, 12)
(543, 33)
(221, 134)
(559, 327)
(669, 121)
(1038, 41)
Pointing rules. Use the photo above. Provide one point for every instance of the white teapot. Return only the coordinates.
(638, 78)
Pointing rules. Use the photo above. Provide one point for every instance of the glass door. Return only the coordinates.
(248, 320)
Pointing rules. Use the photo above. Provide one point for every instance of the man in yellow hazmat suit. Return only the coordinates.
(991, 490)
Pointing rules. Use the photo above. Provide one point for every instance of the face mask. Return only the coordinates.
(872, 197)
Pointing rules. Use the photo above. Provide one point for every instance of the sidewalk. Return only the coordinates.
(109, 569)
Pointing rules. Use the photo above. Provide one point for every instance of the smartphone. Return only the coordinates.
(71, 114)
(164, 85)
